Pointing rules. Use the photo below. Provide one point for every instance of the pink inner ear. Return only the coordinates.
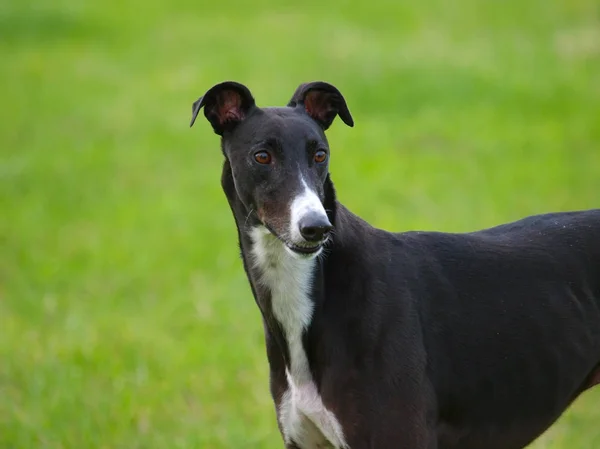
(229, 107)
(317, 105)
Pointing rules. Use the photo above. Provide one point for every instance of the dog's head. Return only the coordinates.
(279, 157)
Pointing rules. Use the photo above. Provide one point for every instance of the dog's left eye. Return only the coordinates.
(320, 156)
(262, 157)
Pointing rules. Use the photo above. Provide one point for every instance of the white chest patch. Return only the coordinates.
(302, 414)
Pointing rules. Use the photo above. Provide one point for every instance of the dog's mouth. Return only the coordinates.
(303, 250)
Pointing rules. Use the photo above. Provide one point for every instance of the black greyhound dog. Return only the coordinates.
(415, 340)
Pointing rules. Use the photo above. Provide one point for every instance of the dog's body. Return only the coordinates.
(419, 340)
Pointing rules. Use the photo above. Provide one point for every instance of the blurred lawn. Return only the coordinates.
(126, 320)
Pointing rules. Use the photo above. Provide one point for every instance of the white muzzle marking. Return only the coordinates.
(306, 202)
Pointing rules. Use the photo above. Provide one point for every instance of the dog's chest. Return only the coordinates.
(303, 417)
(306, 421)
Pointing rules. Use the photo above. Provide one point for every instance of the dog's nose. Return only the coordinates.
(314, 227)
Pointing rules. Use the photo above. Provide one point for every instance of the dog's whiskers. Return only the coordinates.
(247, 217)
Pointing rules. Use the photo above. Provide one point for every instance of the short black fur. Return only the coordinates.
(418, 340)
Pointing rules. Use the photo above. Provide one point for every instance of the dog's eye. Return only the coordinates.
(320, 156)
(262, 157)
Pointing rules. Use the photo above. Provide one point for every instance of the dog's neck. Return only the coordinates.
(286, 288)
(289, 283)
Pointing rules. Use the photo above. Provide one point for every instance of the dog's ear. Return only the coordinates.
(225, 105)
(322, 102)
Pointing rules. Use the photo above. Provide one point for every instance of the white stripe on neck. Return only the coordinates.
(304, 418)
(289, 279)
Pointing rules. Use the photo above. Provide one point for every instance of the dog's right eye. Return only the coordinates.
(262, 157)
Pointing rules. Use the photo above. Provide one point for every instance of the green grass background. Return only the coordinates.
(125, 317)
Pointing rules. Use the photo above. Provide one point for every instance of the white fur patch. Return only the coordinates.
(305, 203)
(302, 414)
(306, 420)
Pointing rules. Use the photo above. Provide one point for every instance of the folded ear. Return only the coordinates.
(225, 105)
(322, 102)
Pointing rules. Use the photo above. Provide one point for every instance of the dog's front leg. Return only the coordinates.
(393, 415)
